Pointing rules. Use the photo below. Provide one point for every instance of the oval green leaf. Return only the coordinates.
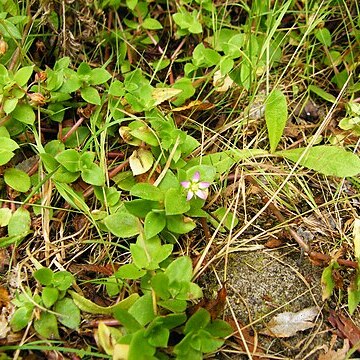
(123, 225)
(17, 179)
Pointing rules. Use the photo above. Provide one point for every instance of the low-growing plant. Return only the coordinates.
(51, 303)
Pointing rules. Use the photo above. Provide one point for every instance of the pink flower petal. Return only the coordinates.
(196, 177)
(190, 195)
(202, 194)
(204, 185)
(185, 184)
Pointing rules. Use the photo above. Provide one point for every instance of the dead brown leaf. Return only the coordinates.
(346, 328)
(273, 243)
(214, 306)
(339, 354)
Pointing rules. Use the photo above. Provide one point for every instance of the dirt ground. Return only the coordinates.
(264, 283)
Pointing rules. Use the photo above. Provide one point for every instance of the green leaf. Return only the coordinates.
(21, 318)
(10, 105)
(197, 321)
(99, 76)
(207, 173)
(324, 36)
(154, 223)
(130, 271)
(140, 349)
(92, 308)
(208, 343)
(5, 216)
(63, 280)
(322, 93)
(6, 149)
(9, 30)
(131, 4)
(49, 296)
(276, 114)
(17, 179)
(327, 282)
(180, 270)
(151, 24)
(148, 253)
(76, 138)
(179, 224)
(143, 310)
(147, 191)
(62, 175)
(160, 284)
(140, 207)
(127, 320)
(19, 223)
(175, 202)
(47, 326)
(69, 313)
(90, 95)
(122, 224)
(327, 160)
(141, 132)
(223, 161)
(23, 75)
(93, 175)
(24, 113)
(158, 336)
(354, 294)
(69, 159)
(219, 328)
(117, 88)
(174, 305)
(228, 220)
(124, 180)
(44, 276)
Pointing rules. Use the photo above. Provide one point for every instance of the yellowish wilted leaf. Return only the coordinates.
(196, 105)
(356, 234)
(162, 94)
(141, 161)
(121, 352)
(222, 83)
(287, 324)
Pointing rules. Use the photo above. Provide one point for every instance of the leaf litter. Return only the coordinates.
(287, 324)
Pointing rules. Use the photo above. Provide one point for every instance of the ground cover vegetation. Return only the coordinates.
(132, 134)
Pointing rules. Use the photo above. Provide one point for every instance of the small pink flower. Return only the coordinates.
(196, 187)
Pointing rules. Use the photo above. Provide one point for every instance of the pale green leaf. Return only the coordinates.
(69, 313)
(90, 95)
(46, 326)
(276, 114)
(17, 179)
(5, 216)
(327, 282)
(24, 113)
(122, 224)
(322, 93)
(325, 159)
(19, 223)
(22, 76)
(92, 308)
(151, 24)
